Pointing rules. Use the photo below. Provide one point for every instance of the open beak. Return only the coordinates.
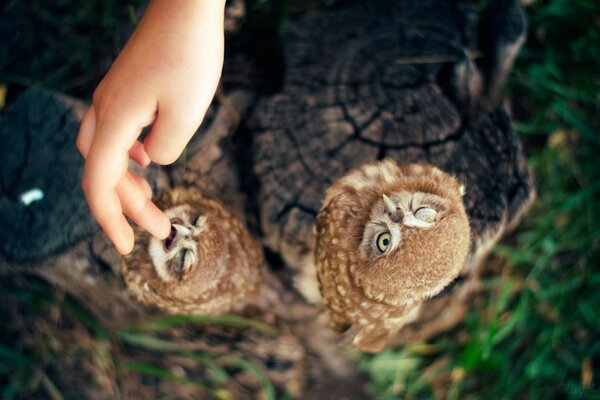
(177, 233)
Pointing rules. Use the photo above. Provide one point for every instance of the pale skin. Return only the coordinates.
(166, 76)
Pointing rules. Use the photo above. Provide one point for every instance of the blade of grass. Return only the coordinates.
(219, 374)
(157, 372)
(268, 389)
(147, 342)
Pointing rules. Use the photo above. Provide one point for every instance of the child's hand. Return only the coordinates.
(166, 74)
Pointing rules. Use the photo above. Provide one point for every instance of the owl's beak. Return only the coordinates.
(389, 204)
(396, 214)
(178, 232)
(182, 230)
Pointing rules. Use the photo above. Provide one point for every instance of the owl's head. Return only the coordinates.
(191, 260)
(176, 256)
(402, 232)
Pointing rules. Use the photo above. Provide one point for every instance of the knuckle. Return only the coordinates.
(188, 120)
(97, 95)
(104, 108)
(104, 105)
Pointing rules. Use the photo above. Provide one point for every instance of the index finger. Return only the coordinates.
(140, 208)
(86, 133)
(102, 171)
(106, 164)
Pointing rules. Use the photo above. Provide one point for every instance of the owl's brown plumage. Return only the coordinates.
(208, 265)
(388, 237)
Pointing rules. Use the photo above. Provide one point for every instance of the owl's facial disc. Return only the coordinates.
(180, 232)
(178, 253)
(181, 244)
(397, 214)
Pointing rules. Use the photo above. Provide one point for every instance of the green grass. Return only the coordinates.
(51, 347)
(534, 332)
(65, 45)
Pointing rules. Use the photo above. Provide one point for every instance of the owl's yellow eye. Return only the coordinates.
(426, 214)
(383, 241)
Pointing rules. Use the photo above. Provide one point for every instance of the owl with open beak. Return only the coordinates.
(208, 265)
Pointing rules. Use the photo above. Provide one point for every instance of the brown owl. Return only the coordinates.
(208, 265)
(388, 238)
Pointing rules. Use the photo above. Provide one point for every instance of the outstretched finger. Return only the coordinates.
(86, 137)
(106, 164)
(142, 183)
(140, 209)
(101, 174)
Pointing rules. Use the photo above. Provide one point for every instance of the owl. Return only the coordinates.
(387, 238)
(209, 264)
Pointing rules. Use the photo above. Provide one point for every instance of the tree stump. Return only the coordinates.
(379, 80)
(405, 80)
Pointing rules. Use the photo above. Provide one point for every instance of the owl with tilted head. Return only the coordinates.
(388, 237)
(209, 264)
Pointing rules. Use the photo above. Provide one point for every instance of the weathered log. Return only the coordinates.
(39, 160)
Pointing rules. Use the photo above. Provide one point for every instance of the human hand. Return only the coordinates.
(166, 75)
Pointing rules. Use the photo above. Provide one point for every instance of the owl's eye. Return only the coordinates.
(184, 261)
(383, 241)
(426, 214)
(196, 218)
